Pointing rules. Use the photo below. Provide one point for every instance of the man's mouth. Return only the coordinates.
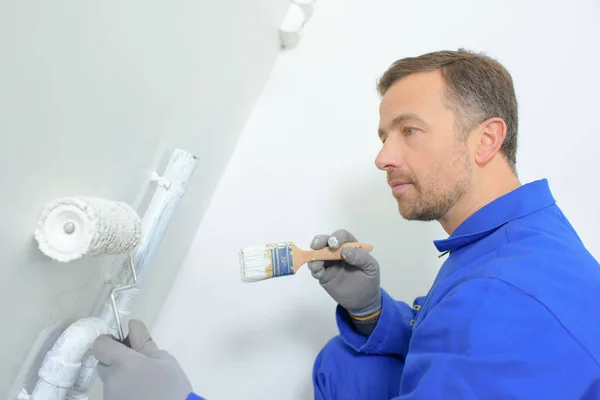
(398, 186)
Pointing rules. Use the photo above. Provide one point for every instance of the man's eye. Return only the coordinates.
(409, 131)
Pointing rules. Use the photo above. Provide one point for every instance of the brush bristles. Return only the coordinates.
(256, 263)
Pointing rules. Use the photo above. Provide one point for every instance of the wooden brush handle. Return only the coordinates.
(327, 254)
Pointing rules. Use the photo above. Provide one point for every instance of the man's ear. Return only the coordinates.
(491, 136)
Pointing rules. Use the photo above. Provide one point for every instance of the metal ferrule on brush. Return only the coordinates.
(282, 259)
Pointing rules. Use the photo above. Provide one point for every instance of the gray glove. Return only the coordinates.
(353, 282)
(142, 372)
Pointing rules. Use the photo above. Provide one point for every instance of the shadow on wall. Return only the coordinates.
(299, 334)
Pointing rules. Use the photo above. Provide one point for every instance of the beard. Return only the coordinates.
(433, 196)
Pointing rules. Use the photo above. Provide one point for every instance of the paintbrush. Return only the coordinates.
(258, 263)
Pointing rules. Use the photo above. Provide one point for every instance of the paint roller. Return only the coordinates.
(70, 228)
(73, 227)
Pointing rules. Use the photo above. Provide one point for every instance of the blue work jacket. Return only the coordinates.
(514, 312)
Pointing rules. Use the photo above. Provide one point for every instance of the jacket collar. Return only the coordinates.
(524, 200)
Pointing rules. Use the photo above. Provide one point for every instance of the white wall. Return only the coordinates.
(304, 165)
(93, 96)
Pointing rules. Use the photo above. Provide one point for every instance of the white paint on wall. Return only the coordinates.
(304, 165)
(93, 97)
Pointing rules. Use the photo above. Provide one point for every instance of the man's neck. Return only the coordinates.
(481, 194)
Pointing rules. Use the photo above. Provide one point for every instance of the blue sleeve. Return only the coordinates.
(487, 339)
(194, 396)
(390, 336)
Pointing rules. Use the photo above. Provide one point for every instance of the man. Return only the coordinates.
(512, 312)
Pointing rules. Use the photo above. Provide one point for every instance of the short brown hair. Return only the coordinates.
(479, 88)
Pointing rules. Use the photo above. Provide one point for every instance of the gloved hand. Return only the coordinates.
(142, 372)
(353, 282)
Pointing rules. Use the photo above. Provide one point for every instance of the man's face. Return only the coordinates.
(427, 161)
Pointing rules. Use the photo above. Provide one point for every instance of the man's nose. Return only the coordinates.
(389, 157)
